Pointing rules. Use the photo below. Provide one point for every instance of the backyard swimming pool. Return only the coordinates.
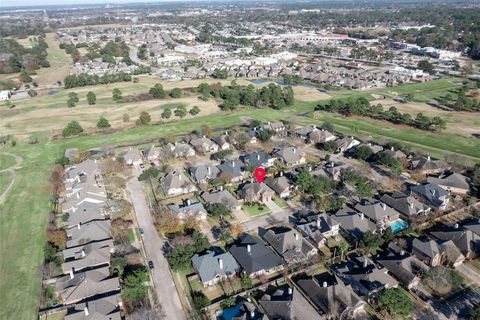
(399, 225)
(229, 313)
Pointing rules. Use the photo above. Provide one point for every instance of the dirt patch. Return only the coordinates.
(309, 94)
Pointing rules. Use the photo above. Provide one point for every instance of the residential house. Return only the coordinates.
(378, 212)
(347, 143)
(132, 157)
(254, 257)
(395, 154)
(254, 192)
(287, 303)
(289, 244)
(80, 193)
(102, 308)
(84, 172)
(203, 173)
(333, 170)
(433, 195)
(258, 159)
(85, 212)
(75, 287)
(180, 150)
(281, 185)
(214, 266)
(222, 197)
(426, 165)
(467, 241)
(375, 148)
(405, 204)
(204, 145)
(175, 183)
(364, 276)
(89, 232)
(189, 208)
(277, 127)
(427, 250)
(232, 170)
(321, 136)
(291, 156)
(403, 266)
(89, 255)
(331, 296)
(452, 182)
(354, 223)
(248, 311)
(223, 141)
(305, 131)
(152, 153)
(319, 228)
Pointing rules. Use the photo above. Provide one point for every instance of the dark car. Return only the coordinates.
(141, 231)
(150, 264)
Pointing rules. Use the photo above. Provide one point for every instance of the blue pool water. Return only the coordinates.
(229, 313)
(399, 225)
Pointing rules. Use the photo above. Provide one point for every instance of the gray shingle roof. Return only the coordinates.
(202, 172)
(101, 308)
(430, 192)
(403, 203)
(453, 180)
(290, 244)
(208, 265)
(223, 197)
(88, 232)
(259, 258)
(289, 155)
(353, 223)
(235, 168)
(257, 159)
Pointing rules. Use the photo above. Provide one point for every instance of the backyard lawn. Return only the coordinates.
(280, 202)
(6, 161)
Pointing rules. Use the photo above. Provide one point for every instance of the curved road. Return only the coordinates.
(162, 277)
(12, 171)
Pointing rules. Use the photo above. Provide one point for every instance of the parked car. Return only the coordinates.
(141, 231)
(150, 264)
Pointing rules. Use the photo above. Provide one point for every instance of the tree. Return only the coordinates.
(396, 302)
(144, 119)
(409, 96)
(236, 231)
(426, 66)
(364, 190)
(167, 113)
(220, 73)
(371, 242)
(103, 123)
(245, 281)
(363, 153)
(476, 180)
(117, 95)
(204, 90)
(330, 146)
(72, 128)
(199, 300)
(181, 111)
(176, 93)
(265, 135)
(194, 111)
(228, 303)
(328, 126)
(150, 173)
(474, 313)
(157, 91)
(147, 313)
(91, 98)
(70, 103)
(218, 209)
(343, 247)
(134, 291)
(25, 77)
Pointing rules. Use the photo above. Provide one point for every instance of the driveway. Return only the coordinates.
(162, 278)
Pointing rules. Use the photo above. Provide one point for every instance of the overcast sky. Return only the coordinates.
(10, 3)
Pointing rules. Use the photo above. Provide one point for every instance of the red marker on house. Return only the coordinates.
(260, 174)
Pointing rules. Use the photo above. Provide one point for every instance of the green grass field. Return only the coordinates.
(5, 180)
(23, 215)
(6, 161)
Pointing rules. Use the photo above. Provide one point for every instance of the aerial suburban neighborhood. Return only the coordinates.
(269, 160)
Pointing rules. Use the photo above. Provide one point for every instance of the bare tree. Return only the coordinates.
(147, 313)
(57, 185)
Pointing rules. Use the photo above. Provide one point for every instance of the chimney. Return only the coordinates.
(318, 223)
(362, 216)
(73, 209)
(402, 252)
(226, 133)
(179, 176)
(252, 314)
(281, 173)
(428, 158)
(258, 156)
(392, 148)
(221, 188)
(290, 291)
(324, 284)
(365, 263)
(456, 226)
(83, 254)
(384, 206)
(233, 164)
(78, 195)
(188, 202)
(249, 248)
(411, 205)
(71, 273)
(203, 136)
(332, 164)
(314, 127)
(296, 236)
(310, 169)
(78, 226)
(209, 170)
(86, 311)
(95, 161)
(294, 150)
(220, 263)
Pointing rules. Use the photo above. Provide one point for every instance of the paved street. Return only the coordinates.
(469, 272)
(162, 278)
